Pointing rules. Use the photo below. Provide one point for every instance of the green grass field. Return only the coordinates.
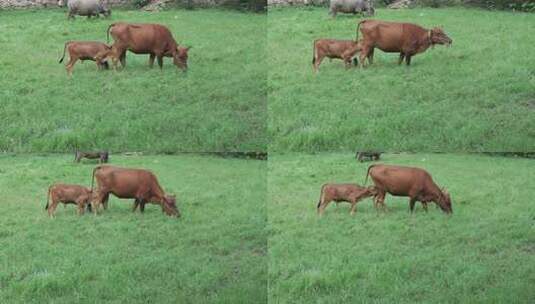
(214, 253)
(219, 106)
(477, 95)
(483, 253)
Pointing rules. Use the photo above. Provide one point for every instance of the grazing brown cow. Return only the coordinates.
(368, 155)
(153, 39)
(407, 39)
(102, 156)
(83, 50)
(68, 194)
(333, 48)
(415, 183)
(141, 185)
(351, 193)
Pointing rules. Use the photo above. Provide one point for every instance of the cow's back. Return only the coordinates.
(143, 38)
(398, 180)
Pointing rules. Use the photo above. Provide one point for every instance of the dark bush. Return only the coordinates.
(140, 3)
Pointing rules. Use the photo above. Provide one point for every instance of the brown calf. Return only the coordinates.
(333, 48)
(351, 193)
(415, 183)
(67, 194)
(83, 50)
(407, 39)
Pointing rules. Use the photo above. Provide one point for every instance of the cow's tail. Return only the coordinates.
(64, 48)
(93, 177)
(108, 32)
(358, 28)
(48, 197)
(321, 197)
(368, 173)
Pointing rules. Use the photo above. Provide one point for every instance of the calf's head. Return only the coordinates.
(437, 36)
(169, 206)
(180, 59)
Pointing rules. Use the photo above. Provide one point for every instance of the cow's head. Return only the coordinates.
(437, 36)
(169, 206)
(444, 202)
(180, 58)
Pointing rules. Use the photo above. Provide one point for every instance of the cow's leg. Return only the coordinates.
(105, 201)
(151, 60)
(363, 55)
(370, 56)
(408, 59)
(411, 204)
(136, 203)
(122, 57)
(380, 200)
(401, 57)
(142, 206)
(98, 200)
(160, 60)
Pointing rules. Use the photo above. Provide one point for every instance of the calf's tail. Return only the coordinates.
(314, 52)
(321, 197)
(64, 47)
(48, 197)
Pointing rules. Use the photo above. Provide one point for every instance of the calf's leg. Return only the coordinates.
(70, 65)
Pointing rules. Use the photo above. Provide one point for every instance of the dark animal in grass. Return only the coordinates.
(138, 184)
(407, 39)
(87, 8)
(334, 48)
(351, 193)
(102, 156)
(351, 7)
(83, 50)
(368, 155)
(153, 39)
(415, 183)
(68, 194)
